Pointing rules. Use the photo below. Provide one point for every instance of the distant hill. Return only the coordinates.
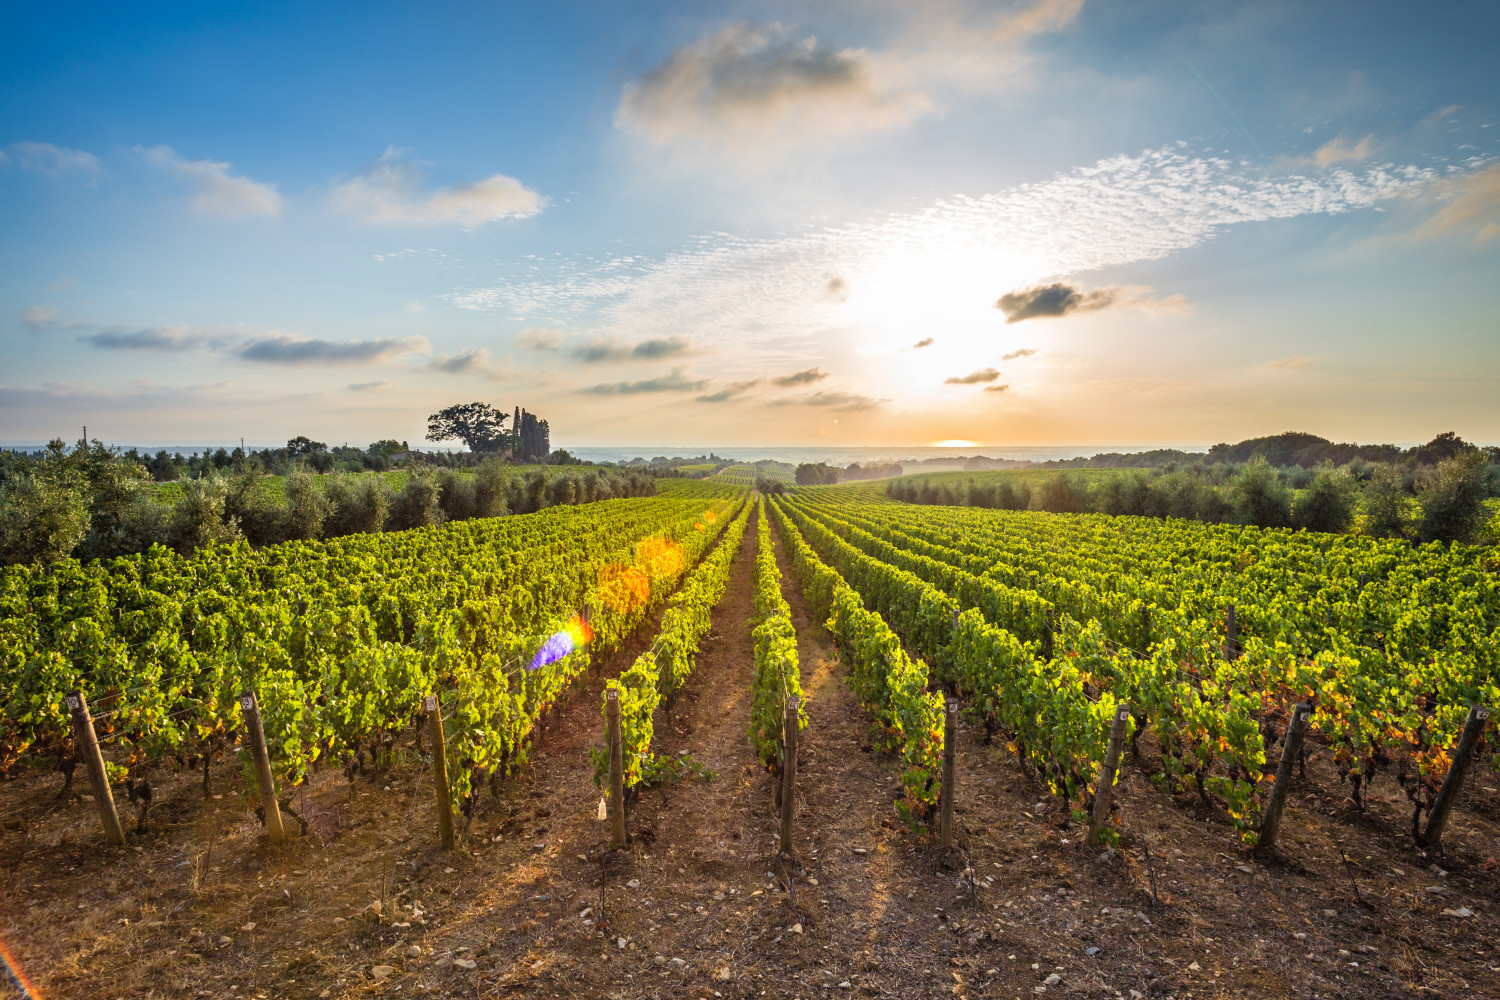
(1288, 449)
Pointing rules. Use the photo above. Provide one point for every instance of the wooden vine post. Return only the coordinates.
(1448, 794)
(1290, 750)
(440, 771)
(1047, 635)
(950, 772)
(788, 773)
(1104, 792)
(88, 749)
(1231, 634)
(263, 779)
(616, 769)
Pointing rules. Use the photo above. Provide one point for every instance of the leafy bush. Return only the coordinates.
(416, 506)
(1327, 504)
(200, 517)
(1260, 497)
(1453, 508)
(42, 519)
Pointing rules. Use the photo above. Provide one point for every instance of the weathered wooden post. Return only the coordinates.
(788, 773)
(1448, 794)
(440, 772)
(1145, 628)
(616, 768)
(88, 749)
(1231, 635)
(266, 784)
(1050, 627)
(1104, 790)
(1290, 750)
(950, 772)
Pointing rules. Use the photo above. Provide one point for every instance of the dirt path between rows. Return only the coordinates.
(698, 906)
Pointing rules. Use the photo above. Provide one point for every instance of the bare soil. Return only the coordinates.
(535, 905)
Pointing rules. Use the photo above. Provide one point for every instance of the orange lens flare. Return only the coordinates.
(659, 557)
(623, 588)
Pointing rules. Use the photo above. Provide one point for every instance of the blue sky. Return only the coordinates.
(1133, 223)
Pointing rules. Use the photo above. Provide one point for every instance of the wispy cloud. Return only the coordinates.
(731, 391)
(45, 158)
(837, 290)
(380, 386)
(606, 349)
(167, 339)
(1060, 299)
(1118, 211)
(1472, 210)
(290, 349)
(44, 319)
(535, 339)
(1023, 352)
(472, 361)
(1295, 363)
(973, 378)
(216, 192)
(674, 381)
(996, 388)
(390, 192)
(847, 402)
(805, 377)
(924, 342)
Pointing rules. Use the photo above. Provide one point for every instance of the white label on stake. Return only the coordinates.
(429, 704)
(73, 703)
(1122, 713)
(247, 703)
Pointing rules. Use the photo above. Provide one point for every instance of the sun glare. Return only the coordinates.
(955, 443)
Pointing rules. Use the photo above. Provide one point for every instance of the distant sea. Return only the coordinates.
(794, 454)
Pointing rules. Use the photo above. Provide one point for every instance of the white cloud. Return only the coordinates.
(389, 192)
(944, 264)
(216, 192)
(43, 157)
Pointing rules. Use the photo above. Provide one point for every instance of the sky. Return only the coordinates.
(837, 223)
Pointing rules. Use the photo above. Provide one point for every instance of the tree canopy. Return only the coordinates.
(479, 425)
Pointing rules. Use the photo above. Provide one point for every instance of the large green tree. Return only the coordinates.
(478, 425)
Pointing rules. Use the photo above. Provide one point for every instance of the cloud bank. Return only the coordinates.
(762, 88)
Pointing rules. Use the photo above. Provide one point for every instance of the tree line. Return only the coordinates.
(1443, 502)
(90, 502)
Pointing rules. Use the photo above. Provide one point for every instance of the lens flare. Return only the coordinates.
(574, 635)
(623, 588)
(26, 986)
(659, 557)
